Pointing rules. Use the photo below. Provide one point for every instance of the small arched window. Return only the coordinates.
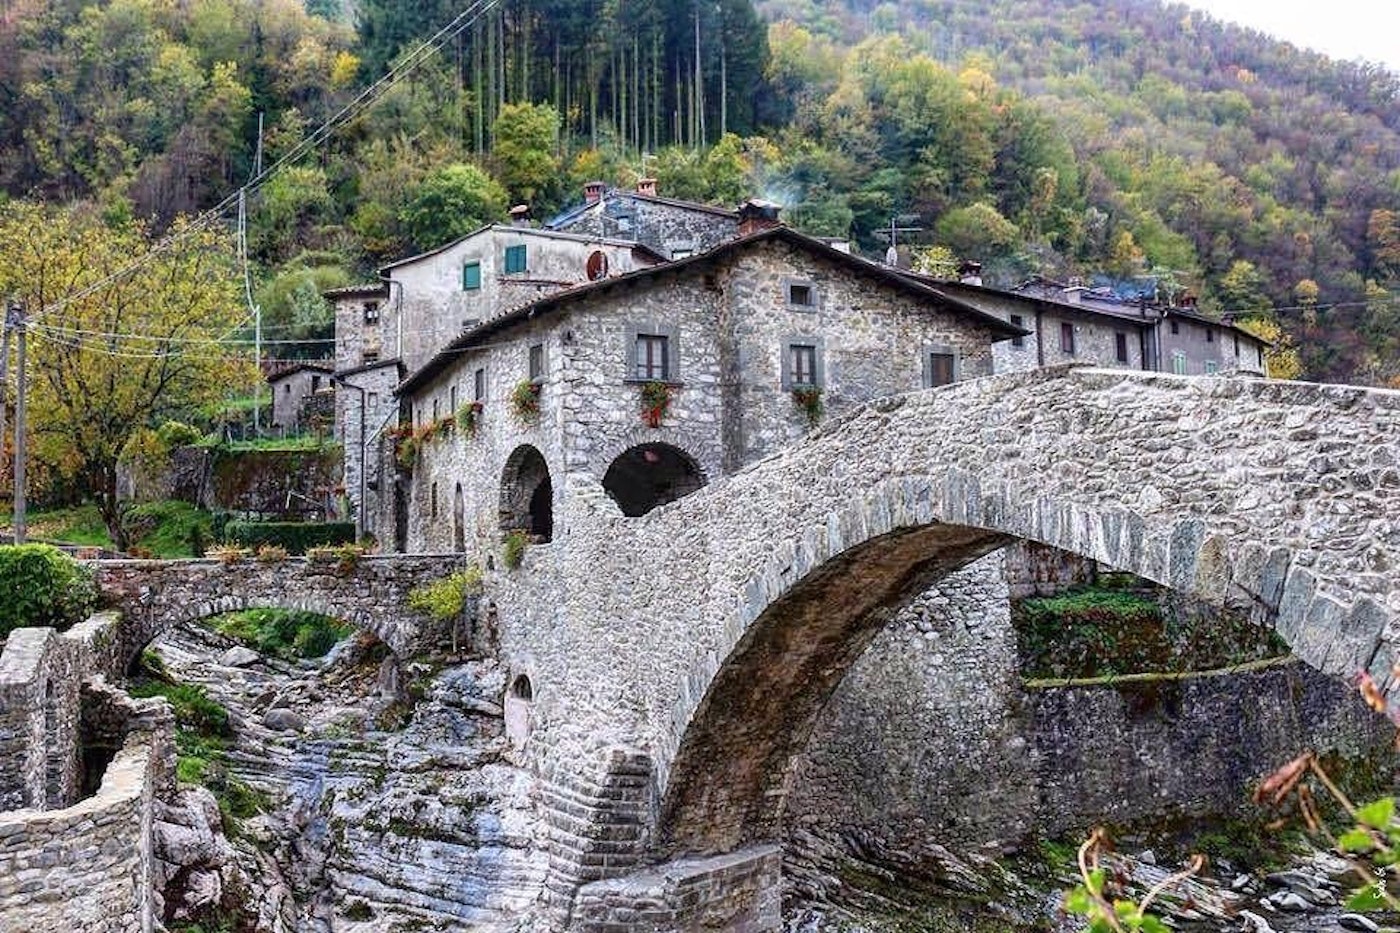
(521, 689)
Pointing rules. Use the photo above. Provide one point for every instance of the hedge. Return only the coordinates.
(41, 586)
(296, 537)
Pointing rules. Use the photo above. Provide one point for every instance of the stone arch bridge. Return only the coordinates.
(679, 660)
(370, 593)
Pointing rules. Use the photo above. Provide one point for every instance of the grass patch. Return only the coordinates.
(301, 442)
(168, 529)
(202, 736)
(283, 633)
(1126, 626)
(79, 524)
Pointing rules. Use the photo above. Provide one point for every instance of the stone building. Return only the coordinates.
(1070, 324)
(658, 381)
(292, 388)
(673, 228)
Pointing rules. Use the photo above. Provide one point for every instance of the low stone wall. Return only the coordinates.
(739, 893)
(40, 705)
(1194, 747)
(87, 868)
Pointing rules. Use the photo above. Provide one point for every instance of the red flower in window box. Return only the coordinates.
(656, 401)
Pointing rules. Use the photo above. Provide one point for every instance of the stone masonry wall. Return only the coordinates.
(670, 229)
(922, 740)
(728, 405)
(1193, 747)
(87, 868)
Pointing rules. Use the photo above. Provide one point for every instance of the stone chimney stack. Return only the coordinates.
(970, 273)
(520, 215)
(593, 191)
(756, 215)
(647, 187)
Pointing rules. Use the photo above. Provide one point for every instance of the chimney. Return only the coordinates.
(647, 187)
(520, 215)
(756, 215)
(593, 191)
(970, 273)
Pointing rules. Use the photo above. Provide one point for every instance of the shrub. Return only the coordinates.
(178, 434)
(809, 399)
(283, 633)
(271, 554)
(514, 551)
(294, 537)
(444, 599)
(42, 586)
(469, 419)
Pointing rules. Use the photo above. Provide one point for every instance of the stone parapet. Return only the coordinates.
(86, 868)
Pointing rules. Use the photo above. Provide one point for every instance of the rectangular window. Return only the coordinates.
(802, 365)
(471, 277)
(1237, 346)
(942, 369)
(452, 401)
(371, 312)
(1259, 353)
(1176, 327)
(1210, 335)
(515, 259)
(653, 358)
(372, 401)
(1067, 338)
(1212, 367)
(435, 411)
(479, 385)
(1018, 321)
(536, 362)
(1178, 362)
(801, 295)
(1120, 342)
(315, 383)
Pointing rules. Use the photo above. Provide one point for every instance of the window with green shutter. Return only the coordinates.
(515, 259)
(471, 277)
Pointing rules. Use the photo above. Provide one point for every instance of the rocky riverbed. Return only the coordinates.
(856, 884)
(389, 795)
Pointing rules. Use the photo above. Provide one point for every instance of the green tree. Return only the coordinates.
(450, 203)
(113, 353)
(977, 231)
(524, 154)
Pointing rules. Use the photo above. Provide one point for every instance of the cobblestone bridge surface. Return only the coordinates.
(679, 660)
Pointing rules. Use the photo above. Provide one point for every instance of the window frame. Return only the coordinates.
(1120, 346)
(1212, 368)
(508, 260)
(1210, 335)
(1068, 344)
(467, 286)
(532, 373)
(1175, 327)
(479, 384)
(1018, 342)
(635, 331)
(818, 347)
(1179, 362)
(929, 352)
(812, 305)
(371, 312)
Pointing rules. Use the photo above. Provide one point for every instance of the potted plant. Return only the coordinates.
(525, 401)
(656, 400)
(809, 399)
(469, 418)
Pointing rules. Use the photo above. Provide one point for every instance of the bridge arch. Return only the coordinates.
(650, 475)
(844, 564)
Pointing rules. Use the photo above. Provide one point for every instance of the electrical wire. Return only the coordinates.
(360, 103)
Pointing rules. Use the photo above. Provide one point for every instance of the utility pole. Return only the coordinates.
(15, 321)
(11, 310)
(893, 231)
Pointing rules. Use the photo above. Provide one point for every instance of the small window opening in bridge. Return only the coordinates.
(459, 532)
(518, 711)
(53, 751)
(649, 475)
(527, 495)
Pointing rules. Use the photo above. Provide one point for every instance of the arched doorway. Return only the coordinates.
(648, 475)
(527, 494)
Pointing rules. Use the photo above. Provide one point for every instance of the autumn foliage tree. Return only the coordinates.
(110, 353)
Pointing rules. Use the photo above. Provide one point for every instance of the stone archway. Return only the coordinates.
(527, 494)
(649, 475)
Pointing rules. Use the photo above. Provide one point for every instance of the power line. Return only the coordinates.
(361, 102)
